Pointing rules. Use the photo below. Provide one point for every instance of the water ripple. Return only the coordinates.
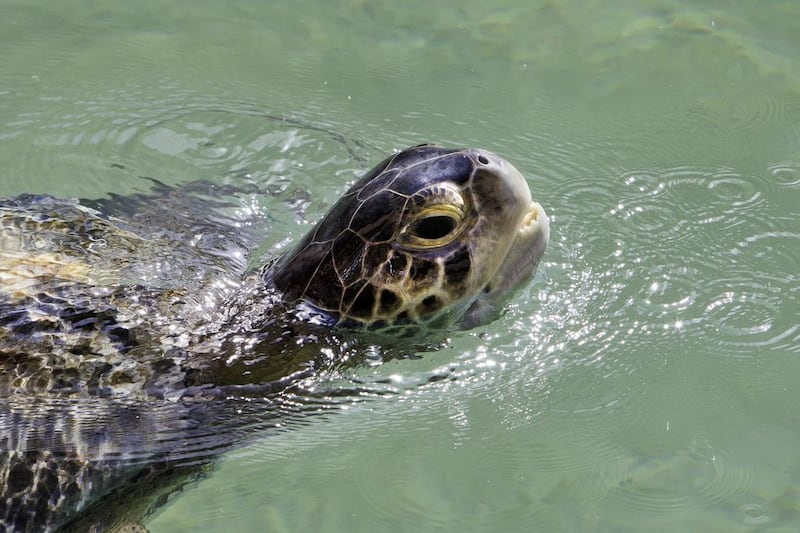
(786, 174)
(690, 478)
(105, 142)
(710, 261)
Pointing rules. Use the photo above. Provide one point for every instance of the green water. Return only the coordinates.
(645, 380)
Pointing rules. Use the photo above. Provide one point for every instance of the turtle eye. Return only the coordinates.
(433, 227)
(435, 218)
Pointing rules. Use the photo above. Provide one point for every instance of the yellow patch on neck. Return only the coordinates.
(20, 272)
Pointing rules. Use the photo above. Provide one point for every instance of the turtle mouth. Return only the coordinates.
(533, 217)
(519, 264)
(520, 240)
(526, 250)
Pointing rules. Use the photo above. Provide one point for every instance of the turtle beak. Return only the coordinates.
(519, 265)
(526, 250)
(525, 217)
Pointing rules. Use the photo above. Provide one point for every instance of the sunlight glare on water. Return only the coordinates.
(645, 379)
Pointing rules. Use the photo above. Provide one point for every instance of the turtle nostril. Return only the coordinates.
(483, 160)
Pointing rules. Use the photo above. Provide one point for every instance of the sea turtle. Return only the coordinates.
(117, 382)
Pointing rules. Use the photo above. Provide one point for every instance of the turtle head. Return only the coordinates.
(428, 232)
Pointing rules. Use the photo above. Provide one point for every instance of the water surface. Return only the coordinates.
(645, 379)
